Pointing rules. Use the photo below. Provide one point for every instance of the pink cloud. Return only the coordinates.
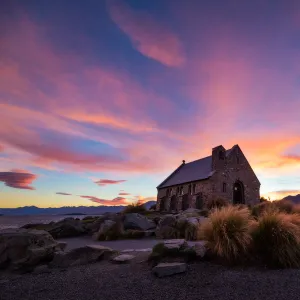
(124, 194)
(19, 179)
(148, 36)
(103, 182)
(113, 202)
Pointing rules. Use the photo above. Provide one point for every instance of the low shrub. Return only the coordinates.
(161, 252)
(134, 208)
(168, 232)
(115, 232)
(276, 239)
(227, 233)
(190, 231)
(216, 202)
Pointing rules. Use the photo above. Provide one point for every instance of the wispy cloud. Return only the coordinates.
(124, 194)
(63, 194)
(105, 202)
(150, 37)
(103, 182)
(19, 179)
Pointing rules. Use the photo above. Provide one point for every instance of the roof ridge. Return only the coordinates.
(198, 159)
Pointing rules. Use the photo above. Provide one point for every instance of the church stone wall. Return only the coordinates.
(234, 167)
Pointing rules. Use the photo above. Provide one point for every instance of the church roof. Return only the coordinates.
(196, 170)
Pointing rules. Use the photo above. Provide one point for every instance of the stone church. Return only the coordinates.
(226, 174)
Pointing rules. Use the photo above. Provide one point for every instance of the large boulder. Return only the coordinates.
(137, 221)
(81, 256)
(110, 230)
(24, 249)
(68, 227)
(167, 228)
(92, 225)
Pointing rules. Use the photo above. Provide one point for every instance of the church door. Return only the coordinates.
(238, 193)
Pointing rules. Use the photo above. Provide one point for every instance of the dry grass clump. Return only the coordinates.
(276, 239)
(216, 202)
(227, 233)
(134, 208)
(284, 206)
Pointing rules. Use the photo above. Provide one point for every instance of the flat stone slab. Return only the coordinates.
(175, 241)
(99, 247)
(137, 250)
(123, 258)
(168, 269)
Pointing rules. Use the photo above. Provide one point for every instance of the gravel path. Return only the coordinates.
(135, 281)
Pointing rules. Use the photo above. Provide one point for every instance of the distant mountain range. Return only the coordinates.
(294, 199)
(65, 210)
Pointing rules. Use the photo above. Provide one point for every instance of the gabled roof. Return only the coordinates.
(196, 170)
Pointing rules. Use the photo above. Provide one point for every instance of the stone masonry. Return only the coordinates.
(230, 177)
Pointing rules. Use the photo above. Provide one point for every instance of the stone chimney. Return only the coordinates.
(218, 158)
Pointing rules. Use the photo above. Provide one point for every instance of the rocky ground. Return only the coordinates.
(105, 280)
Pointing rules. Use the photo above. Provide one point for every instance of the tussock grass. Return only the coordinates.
(216, 202)
(276, 239)
(284, 206)
(227, 233)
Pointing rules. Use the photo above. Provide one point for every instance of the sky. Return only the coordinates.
(101, 100)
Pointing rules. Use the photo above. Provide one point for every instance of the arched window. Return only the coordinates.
(190, 190)
(194, 188)
(224, 187)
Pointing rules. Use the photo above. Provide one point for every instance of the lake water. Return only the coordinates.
(18, 221)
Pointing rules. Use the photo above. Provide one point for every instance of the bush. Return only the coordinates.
(216, 203)
(276, 239)
(134, 208)
(227, 233)
(115, 232)
(190, 232)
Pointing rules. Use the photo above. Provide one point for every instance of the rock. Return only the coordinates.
(61, 246)
(149, 233)
(123, 258)
(181, 242)
(168, 220)
(68, 227)
(25, 248)
(110, 230)
(193, 221)
(200, 249)
(168, 269)
(81, 256)
(41, 269)
(137, 221)
(166, 228)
